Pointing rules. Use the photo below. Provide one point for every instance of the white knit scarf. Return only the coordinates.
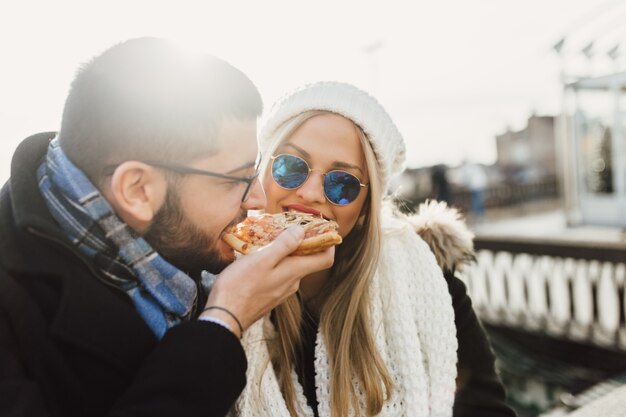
(412, 321)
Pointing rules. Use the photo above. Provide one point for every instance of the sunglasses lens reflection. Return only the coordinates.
(341, 188)
(289, 171)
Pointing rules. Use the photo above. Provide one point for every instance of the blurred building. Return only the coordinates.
(525, 171)
(528, 154)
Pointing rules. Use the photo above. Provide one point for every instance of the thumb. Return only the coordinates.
(287, 242)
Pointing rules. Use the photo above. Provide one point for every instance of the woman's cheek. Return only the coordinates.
(273, 194)
(345, 228)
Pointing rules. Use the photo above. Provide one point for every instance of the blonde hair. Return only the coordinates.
(344, 316)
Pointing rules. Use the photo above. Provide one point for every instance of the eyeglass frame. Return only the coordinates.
(273, 157)
(185, 170)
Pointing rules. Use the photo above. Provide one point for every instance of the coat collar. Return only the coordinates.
(29, 208)
(24, 215)
(446, 233)
(89, 313)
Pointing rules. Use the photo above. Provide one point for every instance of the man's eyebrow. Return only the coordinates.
(244, 166)
(336, 164)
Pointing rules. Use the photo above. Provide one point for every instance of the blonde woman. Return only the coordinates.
(381, 332)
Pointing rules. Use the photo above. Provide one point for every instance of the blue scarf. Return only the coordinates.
(162, 294)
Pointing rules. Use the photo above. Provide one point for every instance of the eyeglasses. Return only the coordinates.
(340, 187)
(185, 170)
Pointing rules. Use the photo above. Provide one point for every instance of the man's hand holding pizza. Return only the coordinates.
(256, 283)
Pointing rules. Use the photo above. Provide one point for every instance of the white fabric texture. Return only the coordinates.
(412, 321)
(352, 103)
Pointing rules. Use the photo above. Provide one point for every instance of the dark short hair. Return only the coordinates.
(147, 99)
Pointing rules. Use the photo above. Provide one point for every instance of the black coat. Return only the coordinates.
(72, 346)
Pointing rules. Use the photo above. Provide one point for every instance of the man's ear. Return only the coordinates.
(136, 192)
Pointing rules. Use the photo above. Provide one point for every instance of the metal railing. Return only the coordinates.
(498, 195)
(563, 289)
(555, 313)
(509, 194)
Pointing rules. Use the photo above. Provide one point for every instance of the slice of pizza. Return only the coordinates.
(258, 231)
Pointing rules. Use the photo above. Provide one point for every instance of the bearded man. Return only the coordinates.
(111, 231)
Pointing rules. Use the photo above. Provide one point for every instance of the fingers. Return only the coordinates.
(287, 242)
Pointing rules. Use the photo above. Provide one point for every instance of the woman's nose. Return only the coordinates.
(312, 191)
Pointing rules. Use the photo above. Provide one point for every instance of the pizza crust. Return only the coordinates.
(318, 243)
(238, 244)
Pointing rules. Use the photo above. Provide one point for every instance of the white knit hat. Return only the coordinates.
(352, 103)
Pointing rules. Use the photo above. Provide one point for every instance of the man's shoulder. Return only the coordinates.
(35, 144)
(37, 140)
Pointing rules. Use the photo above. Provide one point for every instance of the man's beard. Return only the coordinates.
(182, 243)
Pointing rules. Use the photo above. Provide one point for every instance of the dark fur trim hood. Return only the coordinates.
(446, 232)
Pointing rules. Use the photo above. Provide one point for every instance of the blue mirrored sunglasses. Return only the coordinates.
(340, 187)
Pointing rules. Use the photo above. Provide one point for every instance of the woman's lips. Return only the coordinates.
(304, 209)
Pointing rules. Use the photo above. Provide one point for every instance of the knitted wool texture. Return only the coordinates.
(352, 103)
(412, 321)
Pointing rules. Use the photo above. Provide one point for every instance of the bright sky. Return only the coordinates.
(452, 73)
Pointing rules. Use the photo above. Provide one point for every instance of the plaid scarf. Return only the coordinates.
(162, 294)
